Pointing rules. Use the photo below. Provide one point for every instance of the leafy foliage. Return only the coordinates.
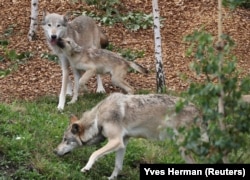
(235, 3)
(132, 21)
(106, 5)
(137, 20)
(50, 57)
(111, 15)
(237, 118)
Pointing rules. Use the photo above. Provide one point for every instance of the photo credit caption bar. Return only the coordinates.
(195, 171)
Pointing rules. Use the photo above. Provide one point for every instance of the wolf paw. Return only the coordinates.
(83, 89)
(100, 90)
(112, 177)
(72, 101)
(60, 108)
(69, 89)
(84, 170)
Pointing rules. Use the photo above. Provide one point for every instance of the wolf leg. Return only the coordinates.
(69, 82)
(111, 146)
(76, 86)
(100, 88)
(65, 77)
(85, 78)
(69, 87)
(118, 80)
(119, 160)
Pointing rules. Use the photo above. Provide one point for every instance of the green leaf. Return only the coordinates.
(12, 54)
(4, 43)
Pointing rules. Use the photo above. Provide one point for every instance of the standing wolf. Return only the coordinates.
(85, 32)
(120, 117)
(98, 61)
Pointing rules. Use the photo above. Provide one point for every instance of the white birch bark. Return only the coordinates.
(33, 20)
(160, 77)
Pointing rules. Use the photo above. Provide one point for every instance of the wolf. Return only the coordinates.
(85, 32)
(120, 117)
(98, 61)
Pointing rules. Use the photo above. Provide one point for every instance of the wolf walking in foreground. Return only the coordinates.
(120, 117)
(84, 32)
(98, 61)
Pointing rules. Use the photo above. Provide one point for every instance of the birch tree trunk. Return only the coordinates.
(160, 77)
(33, 20)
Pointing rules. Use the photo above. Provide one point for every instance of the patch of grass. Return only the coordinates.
(29, 131)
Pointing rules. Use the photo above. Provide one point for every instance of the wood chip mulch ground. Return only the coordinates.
(37, 77)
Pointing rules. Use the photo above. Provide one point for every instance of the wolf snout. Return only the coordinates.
(59, 152)
(53, 37)
(56, 152)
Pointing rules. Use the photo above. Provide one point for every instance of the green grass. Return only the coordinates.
(29, 131)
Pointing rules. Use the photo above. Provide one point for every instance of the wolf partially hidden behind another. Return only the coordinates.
(85, 32)
(120, 117)
(98, 61)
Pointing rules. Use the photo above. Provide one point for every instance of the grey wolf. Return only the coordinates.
(98, 61)
(120, 117)
(85, 32)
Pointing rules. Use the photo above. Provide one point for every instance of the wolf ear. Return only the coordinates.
(45, 13)
(66, 17)
(73, 119)
(75, 128)
(77, 49)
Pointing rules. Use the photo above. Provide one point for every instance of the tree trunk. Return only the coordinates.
(33, 20)
(160, 77)
(220, 48)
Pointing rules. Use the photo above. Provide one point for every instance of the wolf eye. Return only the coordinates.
(58, 25)
(49, 25)
(64, 139)
(68, 42)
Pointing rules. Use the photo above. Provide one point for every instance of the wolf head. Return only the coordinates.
(78, 134)
(71, 138)
(69, 45)
(54, 26)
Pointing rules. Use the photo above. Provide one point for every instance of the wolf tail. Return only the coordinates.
(103, 39)
(137, 67)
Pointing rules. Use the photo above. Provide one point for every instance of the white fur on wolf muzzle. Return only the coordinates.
(59, 153)
(63, 148)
